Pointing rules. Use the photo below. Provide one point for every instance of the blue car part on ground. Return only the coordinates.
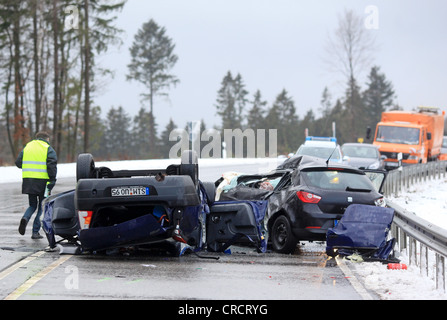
(364, 230)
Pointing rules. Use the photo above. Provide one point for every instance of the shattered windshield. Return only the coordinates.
(401, 135)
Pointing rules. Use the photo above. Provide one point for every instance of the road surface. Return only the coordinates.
(28, 272)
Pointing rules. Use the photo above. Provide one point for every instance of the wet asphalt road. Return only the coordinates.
(28, 272)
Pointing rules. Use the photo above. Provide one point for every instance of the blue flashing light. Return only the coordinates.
(311, 138)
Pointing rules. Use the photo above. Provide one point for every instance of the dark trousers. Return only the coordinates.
(35, 202)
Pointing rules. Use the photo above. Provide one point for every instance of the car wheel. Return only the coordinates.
(210, 190)
(85, 166)
(283, 240)
(330, 252)
(190, 165)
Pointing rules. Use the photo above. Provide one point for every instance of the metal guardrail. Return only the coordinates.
(423, 240)
(403, 177)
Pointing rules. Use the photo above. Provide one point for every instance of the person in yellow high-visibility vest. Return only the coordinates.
(38, 162)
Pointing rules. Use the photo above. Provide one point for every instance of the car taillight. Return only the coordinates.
(85, 218)
(308, 197)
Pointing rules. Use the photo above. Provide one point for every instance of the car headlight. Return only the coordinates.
(380, 202)
(375, 165)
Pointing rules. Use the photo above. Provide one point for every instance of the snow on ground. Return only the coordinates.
(426, 200)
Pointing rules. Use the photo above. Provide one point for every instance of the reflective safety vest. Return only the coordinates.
(34, 162)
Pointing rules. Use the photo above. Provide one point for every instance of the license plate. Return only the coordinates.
(130, 191)
(392, 164)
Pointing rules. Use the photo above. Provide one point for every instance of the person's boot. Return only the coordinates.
(22, 226)
(36, 236)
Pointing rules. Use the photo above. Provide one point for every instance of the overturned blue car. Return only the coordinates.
(140, 208)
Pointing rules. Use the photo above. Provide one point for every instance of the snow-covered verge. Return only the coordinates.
(427, 200)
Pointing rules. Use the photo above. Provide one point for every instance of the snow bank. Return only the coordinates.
(68, 170)
(427, 200)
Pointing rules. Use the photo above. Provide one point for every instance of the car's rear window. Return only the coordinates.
(320, 152)
(337, 180)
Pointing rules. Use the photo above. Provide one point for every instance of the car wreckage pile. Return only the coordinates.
(304, 199)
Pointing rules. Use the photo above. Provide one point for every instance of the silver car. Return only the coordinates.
(363, 156)
(444, 145)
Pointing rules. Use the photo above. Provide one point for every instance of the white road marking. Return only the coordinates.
(36, 278)
(354, 281)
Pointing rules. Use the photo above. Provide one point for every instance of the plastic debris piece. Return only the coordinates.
(397, 266)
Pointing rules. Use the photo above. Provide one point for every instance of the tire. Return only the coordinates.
(283, 241)
(330, 252)
(85, 166)
(190, 165)
(210, 190)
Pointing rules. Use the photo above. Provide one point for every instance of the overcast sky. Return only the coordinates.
(275, 45)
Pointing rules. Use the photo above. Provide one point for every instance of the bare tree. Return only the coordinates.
(350, 49)
(351, 52)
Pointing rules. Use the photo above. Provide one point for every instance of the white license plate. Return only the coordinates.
(392, 164)
(130, 191)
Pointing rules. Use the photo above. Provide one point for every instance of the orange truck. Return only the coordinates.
(410, 137)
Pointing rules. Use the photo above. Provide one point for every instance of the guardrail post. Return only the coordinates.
(395, 186)
(440, 272)
(407, 178)
(413, 252)
(424, 259)
(402, 240)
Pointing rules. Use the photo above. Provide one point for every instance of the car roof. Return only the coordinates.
(327, 142)
(321, 144)
(308, 162)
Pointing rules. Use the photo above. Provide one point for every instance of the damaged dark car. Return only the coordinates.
(306, 197)
(112, 209)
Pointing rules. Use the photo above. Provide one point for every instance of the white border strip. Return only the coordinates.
(33, 280)
(354, 281)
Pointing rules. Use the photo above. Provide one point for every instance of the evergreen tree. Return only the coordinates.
(353, 123)
(286, 123)
(323, 125)
(98, 145)
(145, 141)
(165, 144)
(231, 100)
(117, 136)
(225, 106)
(378, 97)
(240, 98)
(325, 102)
(255, 118)
(152, 58)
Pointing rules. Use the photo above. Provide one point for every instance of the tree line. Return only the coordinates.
(49, 66)
(49, 71)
